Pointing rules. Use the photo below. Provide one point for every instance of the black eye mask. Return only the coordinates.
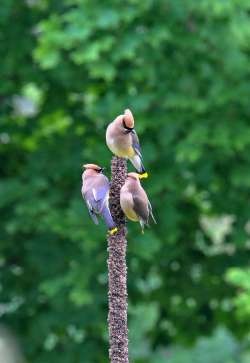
(128, 129)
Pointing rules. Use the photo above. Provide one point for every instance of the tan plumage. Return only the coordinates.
(122, 140)
(134, 201)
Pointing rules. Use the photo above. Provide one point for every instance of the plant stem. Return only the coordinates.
(117, 244)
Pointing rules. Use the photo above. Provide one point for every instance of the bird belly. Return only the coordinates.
(119, 148)
(130, 214)
(126, 204)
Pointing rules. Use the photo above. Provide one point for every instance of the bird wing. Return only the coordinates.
(141, 207)
(95, 194)
(100, 191)
(87, 196)
(135, 143)
(92, 212)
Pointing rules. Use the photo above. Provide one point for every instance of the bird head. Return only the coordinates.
(128, 120)
(133, 176)
(93, 168)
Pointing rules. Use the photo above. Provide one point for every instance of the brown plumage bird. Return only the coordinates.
(122, 140)
(134, 201)
(95, 192)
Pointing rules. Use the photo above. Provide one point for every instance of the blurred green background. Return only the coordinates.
(69, 67)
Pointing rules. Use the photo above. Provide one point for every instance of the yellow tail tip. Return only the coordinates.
(143, 176)
(113, 231)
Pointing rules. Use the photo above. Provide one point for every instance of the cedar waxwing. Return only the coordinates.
(123, 141)
(95, 191)
(134, 201)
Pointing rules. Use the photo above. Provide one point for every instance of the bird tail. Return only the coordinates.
(137, 162)
(142, 223)
(108, 218)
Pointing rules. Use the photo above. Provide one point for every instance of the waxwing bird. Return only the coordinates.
(134, 201)
(122, 140)
(95, 192)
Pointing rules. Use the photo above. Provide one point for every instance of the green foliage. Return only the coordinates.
(67, 69)
(241, 278)
(220, 348)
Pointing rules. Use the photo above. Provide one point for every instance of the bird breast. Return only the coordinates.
(126, 201)
(119, 143)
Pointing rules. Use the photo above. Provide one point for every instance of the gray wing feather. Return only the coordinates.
(92, 213)
(99, 193)
(141, 208)
(136, 143)
(107, 216)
